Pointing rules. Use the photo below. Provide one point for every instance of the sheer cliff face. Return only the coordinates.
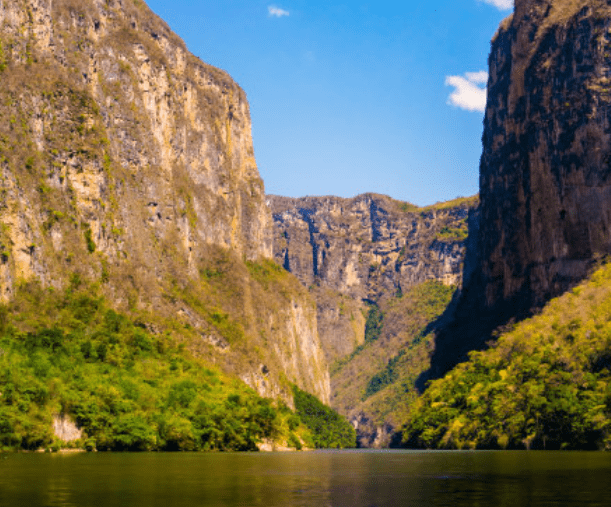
(106, 101)
(371, 246)
(128, 161)
(545, 182)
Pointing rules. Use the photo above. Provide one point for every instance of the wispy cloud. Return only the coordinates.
(501, 5)
(277, 12)
(469, 91)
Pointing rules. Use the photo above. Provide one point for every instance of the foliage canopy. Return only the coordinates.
(544, 385)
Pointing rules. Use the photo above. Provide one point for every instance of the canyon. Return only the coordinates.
(369, 262)
(128, 164)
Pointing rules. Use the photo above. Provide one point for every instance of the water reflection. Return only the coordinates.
(325, 479)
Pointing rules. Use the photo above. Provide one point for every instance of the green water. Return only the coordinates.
(326, 479)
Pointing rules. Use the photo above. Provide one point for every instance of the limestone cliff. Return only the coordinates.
(127, 161)
(545, 187)
(359, 257)
(371, 246)
(545, 184)
(366, 249)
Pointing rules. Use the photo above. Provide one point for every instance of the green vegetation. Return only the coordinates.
(385, 378)
(329, 429)
(544, 385)
(68, 353)
(2, 58)
(373, 328)
(379, 377)
(373, 325)
(471, 202)
(265, 271)
(454, 203)
(450, 234)
(428, 301)
(89, 240)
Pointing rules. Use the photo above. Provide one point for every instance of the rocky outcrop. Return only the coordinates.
(127, 161)
(545, 174)
(371, 246)
(368, 249)
(65, 429)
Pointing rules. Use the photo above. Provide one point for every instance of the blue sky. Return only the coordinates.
(354, 96)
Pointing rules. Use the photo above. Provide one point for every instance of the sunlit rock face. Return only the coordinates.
(128, 162)
(368, 247)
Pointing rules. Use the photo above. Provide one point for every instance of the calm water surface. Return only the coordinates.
(325, 479)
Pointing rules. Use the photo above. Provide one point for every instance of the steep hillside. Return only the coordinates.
(75, 373)
(375, 385)
(544, 385)
(128, 162)
(544, 178)
(381, 272)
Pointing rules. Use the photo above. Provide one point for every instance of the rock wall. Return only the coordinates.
(127, 161)
(545, 171)
(371, 246)
(545, 185)
(368, 249)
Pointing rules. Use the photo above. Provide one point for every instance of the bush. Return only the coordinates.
(328, 428)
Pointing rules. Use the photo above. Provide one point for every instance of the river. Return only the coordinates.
(312, 479)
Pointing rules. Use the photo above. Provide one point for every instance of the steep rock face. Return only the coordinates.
(545, 186)
(127, 160)
(545, 174)
(368, 247)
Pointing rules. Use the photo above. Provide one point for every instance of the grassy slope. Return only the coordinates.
(378, 377)
(545, 384)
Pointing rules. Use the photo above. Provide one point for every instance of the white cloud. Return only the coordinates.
(480, 77)
(277, 12)
(469, 91)
(501, 5)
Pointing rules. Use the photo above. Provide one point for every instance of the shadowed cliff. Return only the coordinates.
(545, 185)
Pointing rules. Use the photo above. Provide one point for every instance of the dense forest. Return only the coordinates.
(328, 428)
(128, 387)
(546, 384)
